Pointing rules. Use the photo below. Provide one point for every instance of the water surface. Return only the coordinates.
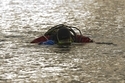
(23, 62)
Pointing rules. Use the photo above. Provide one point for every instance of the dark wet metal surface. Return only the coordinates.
(23, 62)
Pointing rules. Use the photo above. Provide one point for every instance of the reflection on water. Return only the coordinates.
(101, 20)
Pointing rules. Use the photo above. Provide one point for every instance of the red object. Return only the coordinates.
(83, 39)
(41, 39)
(79, 39)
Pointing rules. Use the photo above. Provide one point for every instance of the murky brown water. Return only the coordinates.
(102, 20)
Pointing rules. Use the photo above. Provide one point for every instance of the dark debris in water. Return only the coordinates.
(75, 81)
(2, 40)
(106, 43)
(12, 36)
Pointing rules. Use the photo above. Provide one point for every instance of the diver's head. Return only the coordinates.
(64, 36)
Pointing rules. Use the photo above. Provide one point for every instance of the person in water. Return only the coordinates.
(62, 35)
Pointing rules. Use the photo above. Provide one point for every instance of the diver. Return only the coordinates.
(62, 35)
